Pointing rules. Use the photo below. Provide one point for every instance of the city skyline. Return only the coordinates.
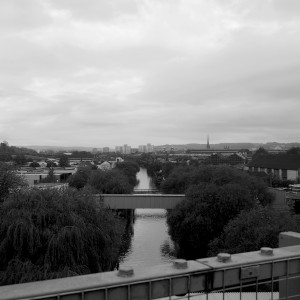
(118, 72)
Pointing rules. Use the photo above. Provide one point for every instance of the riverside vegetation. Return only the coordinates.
(48, 234)
(226, 210)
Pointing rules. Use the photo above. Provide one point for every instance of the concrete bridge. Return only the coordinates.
(264, 275)
(133, 201)
(146, 191)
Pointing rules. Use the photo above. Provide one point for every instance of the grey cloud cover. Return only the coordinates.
(162, 71)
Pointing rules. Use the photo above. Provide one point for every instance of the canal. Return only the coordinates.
(150, 243)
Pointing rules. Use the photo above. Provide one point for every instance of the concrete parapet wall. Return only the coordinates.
(224, 273)
(291, 288)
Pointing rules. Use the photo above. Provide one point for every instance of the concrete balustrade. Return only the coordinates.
(133, 201)
(223, 273)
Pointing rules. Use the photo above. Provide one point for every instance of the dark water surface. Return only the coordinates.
(150, 242)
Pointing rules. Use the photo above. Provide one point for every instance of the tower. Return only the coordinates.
(207, 145)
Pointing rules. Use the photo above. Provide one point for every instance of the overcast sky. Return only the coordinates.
(109, 72)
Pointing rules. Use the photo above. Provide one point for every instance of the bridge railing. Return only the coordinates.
(146, 191)
(265, 274)
(133, 201)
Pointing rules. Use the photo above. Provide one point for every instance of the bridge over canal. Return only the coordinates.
(133, 201)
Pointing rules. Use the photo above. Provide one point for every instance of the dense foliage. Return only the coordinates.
(13, 153)
(49, 234)
(214, 196)
(80, 178)
(109, 182)
(9, 180)
(129, 169)
(253, 229)
(120, 180)
(63, 161)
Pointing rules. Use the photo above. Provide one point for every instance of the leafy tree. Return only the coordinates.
(109, 182)
(20, 159)
(80, 178)
(9, 180)
(293, 150)
(214, 196)
(51, 164)
(182, 177)
(63, 161)
(50, 234)
(260, 151)
(253, 229)
(5, 157)
(204, 213)
(34, 165)
(129, 169)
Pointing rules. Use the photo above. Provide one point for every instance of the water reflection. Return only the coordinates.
(167, 249)
(150, 243)
(144, 181)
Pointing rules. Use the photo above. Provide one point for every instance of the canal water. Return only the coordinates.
(150, 243)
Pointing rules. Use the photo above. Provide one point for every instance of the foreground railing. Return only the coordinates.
(265, 274)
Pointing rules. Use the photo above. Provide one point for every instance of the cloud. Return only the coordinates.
(123, 71)
(22, 15)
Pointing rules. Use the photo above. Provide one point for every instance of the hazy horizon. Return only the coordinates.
(202, 145)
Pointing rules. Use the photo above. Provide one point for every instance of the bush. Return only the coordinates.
(251, 230)
(109, 182)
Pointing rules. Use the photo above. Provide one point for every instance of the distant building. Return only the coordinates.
(126, 149)
(149, 148)
(284, 166)
(142, 148)
(119, 149)
(220, 159)
(207, 144)
(146, 148)
(34, 177)
(105, 149)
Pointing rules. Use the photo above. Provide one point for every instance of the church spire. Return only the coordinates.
(207, 145)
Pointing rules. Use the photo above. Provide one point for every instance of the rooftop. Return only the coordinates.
(277, 161)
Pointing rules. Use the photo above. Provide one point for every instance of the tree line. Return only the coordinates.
(119, 180)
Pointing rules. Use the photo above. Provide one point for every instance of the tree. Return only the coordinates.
(260, 151)
(9, 180)
(63, 161)
(203, 215)
(109, 182)
(293, 150)
(181, 178)
(251, 230)
(34, 165)
(80, 178)
(50, 234)
(51, 164)
(20, 159)
(214, 196)
(129, 169)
